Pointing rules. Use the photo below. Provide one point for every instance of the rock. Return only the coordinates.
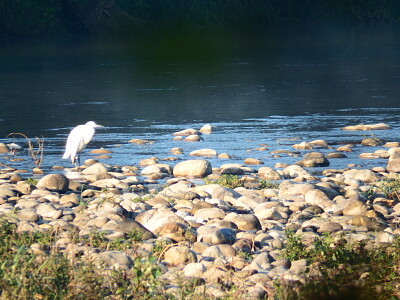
(232, 171)
(217, 275)
(176, 151)
(129, 226)
(393, 164)
(318, 197)
(159, 219)
(319, 144)
(24, 187)
(219, 251)
(204, 152)
(354, 207)
(47, 210)
(371, 142)
(295, 171)
(194, 269)
(156, 169)
(381, 153)
(37, 171)
(289, 189)
(252, 161)
(303, 146)
(29, 215)
(7, 192)
(115, 259)
(207, 128)
(224, 156)
(186, 132)
(362, 127)
(344, 149)
(209, 213)
(54, 183)
(269, 173)
(245, 222)
(4, 148)
(96, 168)
(384, 237)
(192, 168)
(193, 138)
(365, 222)
(179, 255)
(336, 155)
(100, 151)
(391, 144)
(363, 175)
(262, 261)
(329, 227)
(313, 159)
(214, 236)
(177, 232)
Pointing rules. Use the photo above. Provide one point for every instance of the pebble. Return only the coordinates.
(217, 234)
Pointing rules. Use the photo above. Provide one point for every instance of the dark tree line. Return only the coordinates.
(21, 18)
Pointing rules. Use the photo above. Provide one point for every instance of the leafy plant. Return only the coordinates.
(336, 268)
(226, 180)
(268, 184)
(390, 188)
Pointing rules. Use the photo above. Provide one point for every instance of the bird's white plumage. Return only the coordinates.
(77, 140)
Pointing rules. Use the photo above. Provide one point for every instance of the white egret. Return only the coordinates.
(77, 140)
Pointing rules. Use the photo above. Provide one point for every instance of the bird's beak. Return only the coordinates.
(97, 125)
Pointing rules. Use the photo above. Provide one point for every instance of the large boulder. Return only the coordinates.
(192, 168)
(363, 175)
(54, 182)
(97, 168)
(393, 164)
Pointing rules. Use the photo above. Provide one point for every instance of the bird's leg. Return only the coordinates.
(79, 160)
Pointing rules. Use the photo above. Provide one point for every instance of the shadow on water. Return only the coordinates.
(152, 86)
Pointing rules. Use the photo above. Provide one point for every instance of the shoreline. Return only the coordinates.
(232, 230)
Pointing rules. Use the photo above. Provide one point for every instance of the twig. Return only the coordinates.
(36, 155)
(5, 165)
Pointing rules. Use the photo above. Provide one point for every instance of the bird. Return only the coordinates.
(77, 140)
(14, 148)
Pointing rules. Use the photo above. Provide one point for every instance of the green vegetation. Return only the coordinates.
(234, 181)
(268, 184)
(24, 275)
(71, 17)
(339, 270)
(336, 269)
(228, 181)
(390, 188)
(32, 181)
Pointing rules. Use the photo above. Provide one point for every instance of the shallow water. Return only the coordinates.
(253, 91)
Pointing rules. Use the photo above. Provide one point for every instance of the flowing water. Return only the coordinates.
(255, 91)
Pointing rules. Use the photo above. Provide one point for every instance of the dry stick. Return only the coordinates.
(5, 165)
(165, 250)
(31, 151)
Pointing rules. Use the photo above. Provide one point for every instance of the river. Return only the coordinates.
(254, 90)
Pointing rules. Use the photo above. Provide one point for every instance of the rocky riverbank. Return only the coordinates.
(225, 233)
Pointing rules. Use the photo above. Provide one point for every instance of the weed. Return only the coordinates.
(336, 268)
(32, 181)
(226, 180)
(390, 188)
(268, 184)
